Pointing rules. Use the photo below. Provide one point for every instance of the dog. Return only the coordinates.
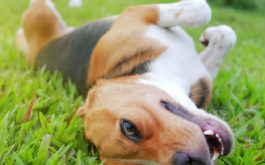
(148, 87)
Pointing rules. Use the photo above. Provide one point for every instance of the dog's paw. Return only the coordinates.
(75, 3)
(222, 36)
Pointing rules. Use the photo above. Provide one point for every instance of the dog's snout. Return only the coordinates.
(180, 158)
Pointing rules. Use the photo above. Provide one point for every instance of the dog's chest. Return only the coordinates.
(178, 67)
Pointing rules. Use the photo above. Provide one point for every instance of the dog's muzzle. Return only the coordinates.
(218, 138)
(180, 158)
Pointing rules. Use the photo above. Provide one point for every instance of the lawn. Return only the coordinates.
(53, 134)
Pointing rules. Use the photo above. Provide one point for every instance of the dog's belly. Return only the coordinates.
(71, 54)
(178, 68)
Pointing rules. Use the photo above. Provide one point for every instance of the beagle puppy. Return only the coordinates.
(147, 84)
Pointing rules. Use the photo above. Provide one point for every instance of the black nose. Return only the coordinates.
(180, 158)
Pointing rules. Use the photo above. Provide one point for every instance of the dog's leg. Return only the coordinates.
(41, 23)
(125, 45)
(219, 41)
(192, 13)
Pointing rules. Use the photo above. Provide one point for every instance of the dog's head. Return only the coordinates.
(131, 124)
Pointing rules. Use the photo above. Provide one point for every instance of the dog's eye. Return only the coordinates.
(130, 131)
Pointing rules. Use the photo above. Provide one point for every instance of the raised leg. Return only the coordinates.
(41, 24)
(192, 13)
(219, 41)
(128, 35)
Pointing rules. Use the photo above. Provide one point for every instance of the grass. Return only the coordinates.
(53, 134)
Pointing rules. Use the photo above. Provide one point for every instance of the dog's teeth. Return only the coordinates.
(218, 137)
(222, 150)
(208, 132)
(216, 154)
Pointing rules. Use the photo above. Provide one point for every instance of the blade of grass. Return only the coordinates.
(43, 151)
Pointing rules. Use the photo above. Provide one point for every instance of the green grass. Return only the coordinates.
(53, 135)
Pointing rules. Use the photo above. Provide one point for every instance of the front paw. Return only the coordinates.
(222, 36)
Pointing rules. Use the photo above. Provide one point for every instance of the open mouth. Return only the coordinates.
(217, 136)
(215, 144)
(219, 140)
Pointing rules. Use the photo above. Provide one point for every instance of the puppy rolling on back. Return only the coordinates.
(147, 83)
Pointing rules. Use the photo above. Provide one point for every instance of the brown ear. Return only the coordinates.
(87, 105)
(81, 111)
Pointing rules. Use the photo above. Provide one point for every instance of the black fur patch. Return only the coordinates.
(138, 69)
(71, 54)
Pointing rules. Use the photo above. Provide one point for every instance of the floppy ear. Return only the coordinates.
(81, 111)
(84, 108)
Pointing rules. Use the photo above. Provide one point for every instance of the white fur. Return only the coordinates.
(222, 40)
(190, 13)
(72, 3)
(21, 42)
(75, 3)
(64, 27)
(51, 5)
(20, 30)
(179, 67)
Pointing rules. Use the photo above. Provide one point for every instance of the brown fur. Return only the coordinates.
(201, 93)
(163, 133)
(125, 42)
(41, 26)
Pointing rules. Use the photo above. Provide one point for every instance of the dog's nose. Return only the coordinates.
(180, 158)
